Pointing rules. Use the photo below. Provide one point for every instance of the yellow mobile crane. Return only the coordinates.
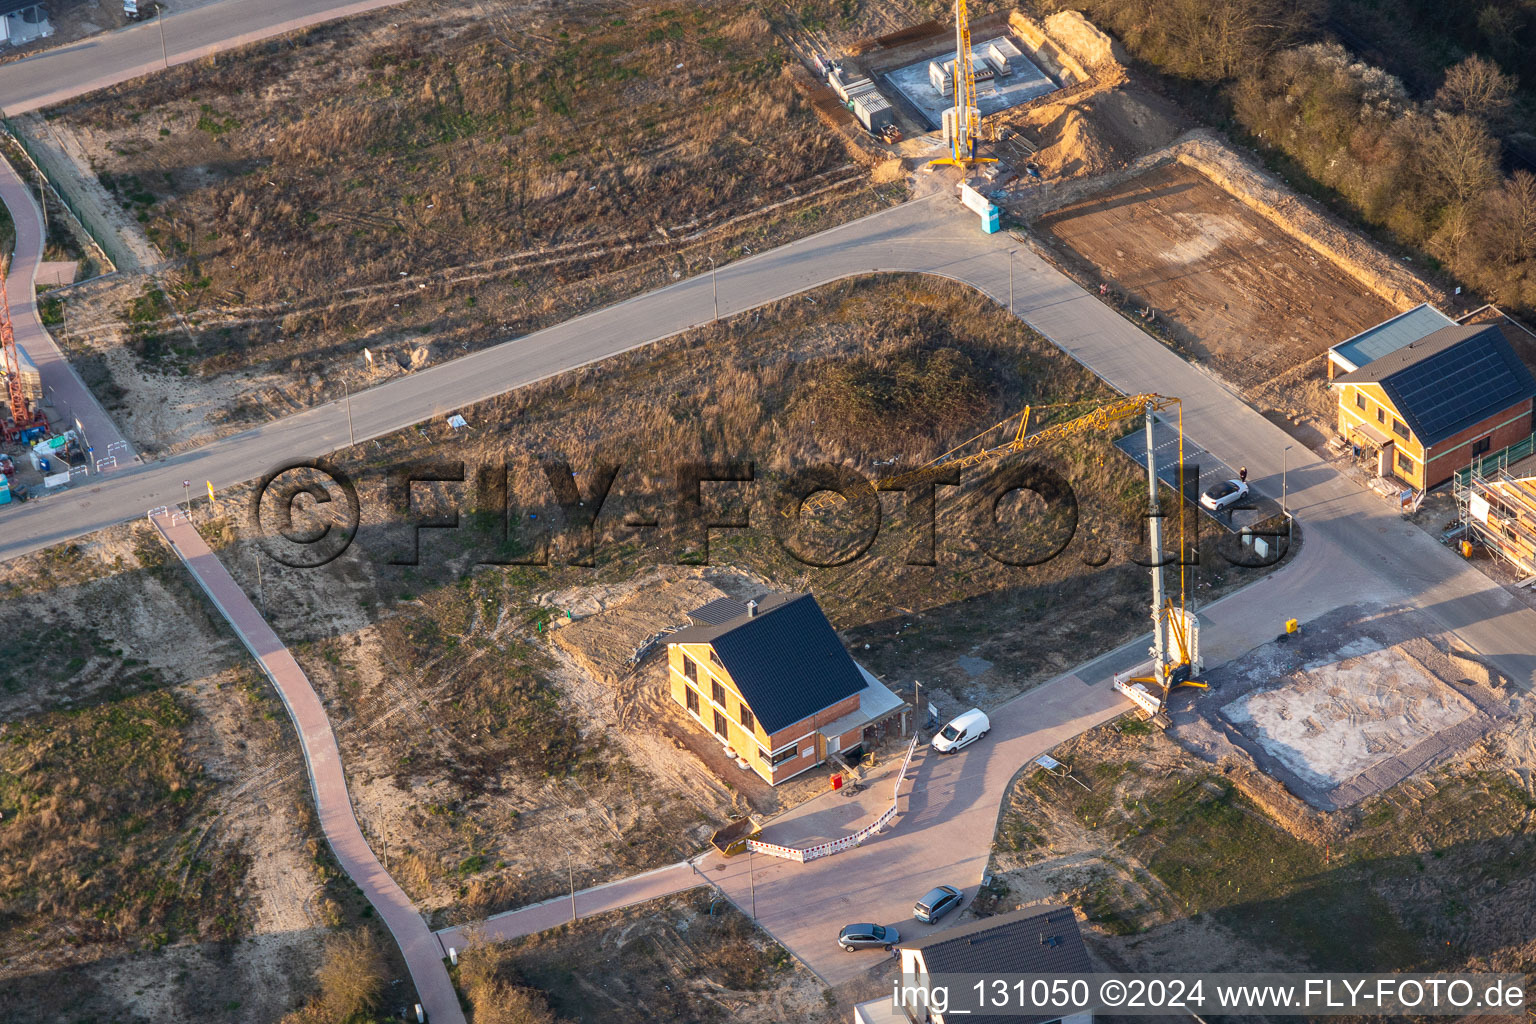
(965, 133)
(1175, 629)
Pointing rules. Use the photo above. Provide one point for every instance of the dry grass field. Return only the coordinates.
(431, 178)
(475, 745)
(159, 860)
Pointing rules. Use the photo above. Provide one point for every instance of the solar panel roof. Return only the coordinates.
(1449, 380)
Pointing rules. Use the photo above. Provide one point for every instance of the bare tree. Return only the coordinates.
(1477, 87)
(1509, 219)
(1460, 159)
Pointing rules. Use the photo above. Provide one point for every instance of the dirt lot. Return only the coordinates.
(1182, 866)
(161, 862)
(422, 181)
(1247, 299)
(674, 959)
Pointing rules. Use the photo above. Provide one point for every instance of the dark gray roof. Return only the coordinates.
(1449, 380)
(721, 609)
(12, 6)
(1035, 940)
(786, 660)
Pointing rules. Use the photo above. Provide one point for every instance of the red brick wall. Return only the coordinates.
(1454, 453)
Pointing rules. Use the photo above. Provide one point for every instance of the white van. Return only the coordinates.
(965, 729)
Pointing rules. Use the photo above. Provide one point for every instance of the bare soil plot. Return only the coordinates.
(679, 958)
(1242, 295)
(1361, 700)
(422, 181)
(1179, 864)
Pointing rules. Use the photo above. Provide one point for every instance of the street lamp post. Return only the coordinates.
(160, 20)
(714, 287)
(1010, 279)
(351, 437)
(1284, 507)
(261, 596)
(752, 882)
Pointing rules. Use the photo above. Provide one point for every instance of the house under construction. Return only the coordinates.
(1498, 508)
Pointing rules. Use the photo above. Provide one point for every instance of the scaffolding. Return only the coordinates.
(1498, 509)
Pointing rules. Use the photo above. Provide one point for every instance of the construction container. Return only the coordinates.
(873, 111)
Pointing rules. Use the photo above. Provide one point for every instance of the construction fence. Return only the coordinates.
(1501, 459)
(848, 842)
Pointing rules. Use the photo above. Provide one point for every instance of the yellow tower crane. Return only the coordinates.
(965, 133)
(1175, 629)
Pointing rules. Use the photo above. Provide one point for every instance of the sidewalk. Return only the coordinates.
(423, 955)
(588, 902)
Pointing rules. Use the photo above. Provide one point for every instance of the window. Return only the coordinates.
(1482, 445)
(1359, 399)
(692, 698)
(717, 692)
(746, 718)
(787, 754)
(1404, 464)
(722, 725)
(1399, 427)
(1381, 416)
(690, 670)
(714, 658)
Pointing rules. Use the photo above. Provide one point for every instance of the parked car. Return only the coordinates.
(964, 730)
(1219, 496)
(937, 903)
(867, 936)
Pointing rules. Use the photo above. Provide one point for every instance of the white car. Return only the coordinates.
(1223, 495)
(963, 731)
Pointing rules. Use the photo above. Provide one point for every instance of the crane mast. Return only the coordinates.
(21, 411)
(964, 132)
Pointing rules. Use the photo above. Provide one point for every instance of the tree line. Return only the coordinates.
(1425, 171)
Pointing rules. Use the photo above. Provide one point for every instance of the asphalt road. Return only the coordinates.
(1358, 551)
(1372, 552)
(78, 68)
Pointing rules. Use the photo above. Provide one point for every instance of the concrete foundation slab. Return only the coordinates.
(1024, 84)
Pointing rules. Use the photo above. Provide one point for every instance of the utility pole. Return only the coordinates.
(752, 882)
(351, 437)
(571, 872)
(714, 287)
(1284, 508)
(42, 201)
(160, 20)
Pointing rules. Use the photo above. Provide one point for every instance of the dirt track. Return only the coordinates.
(1243, 295)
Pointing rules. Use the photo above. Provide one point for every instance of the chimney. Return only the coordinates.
(751, 609)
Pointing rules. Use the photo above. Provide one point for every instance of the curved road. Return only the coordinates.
(1368, 549)
(1358, 550)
